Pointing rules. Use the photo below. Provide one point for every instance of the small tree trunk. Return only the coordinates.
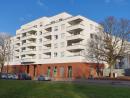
(111, 74)
(1, 70)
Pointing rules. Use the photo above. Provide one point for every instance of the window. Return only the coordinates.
(23, 49)
(62, 26)
(56, 45)
(62, 54)
(91, 36)
(62, 44)
(96, 37)
(40, 56)
(40, 32)
(40, 40)
(56, 28)
(55, 37)
(62, 71)
(35, 26)
(55, 54)
(62, 35)
(40, 47)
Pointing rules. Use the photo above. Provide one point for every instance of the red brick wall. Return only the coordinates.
(79, 70)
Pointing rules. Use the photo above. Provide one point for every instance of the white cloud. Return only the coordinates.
(40, 2)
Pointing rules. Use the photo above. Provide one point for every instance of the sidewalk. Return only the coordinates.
(104, 82)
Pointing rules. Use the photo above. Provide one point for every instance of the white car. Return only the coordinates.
(43, 78)
(4, 76)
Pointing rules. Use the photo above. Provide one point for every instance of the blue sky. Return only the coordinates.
(14, 13)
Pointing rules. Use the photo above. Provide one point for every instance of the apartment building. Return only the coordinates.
(55, 46)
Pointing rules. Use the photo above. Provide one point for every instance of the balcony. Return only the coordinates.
(16, 53)
(47, 43)
(47, 34)
(74, 37)
(47, 49)
(31, 44)
(17, 46)
(31, 29)
(29, 52)
(28, 60)
(17, 40)
(31, 36)
(75, 20)
(48, 29)
(76, 47)
(46, 56)
(75, 54)
(75, 28)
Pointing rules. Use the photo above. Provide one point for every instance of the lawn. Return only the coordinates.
(35, 89)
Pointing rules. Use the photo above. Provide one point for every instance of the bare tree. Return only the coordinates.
(109, 45)
(4, 49)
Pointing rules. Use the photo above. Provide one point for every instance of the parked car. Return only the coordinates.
(9, 76)
(15, 76)
(24, 76)
(4, 76)
(43, 78)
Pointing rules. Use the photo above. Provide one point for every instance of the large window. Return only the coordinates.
(40, 40)
(55, 54)
(56, 45)
(40, 33)
(55, 37)
(69, 71)
(62, 44)
(55, 71)
(56, 28)
(62, 54)
(48, 71)
(62, 72)
(62, 35)
(62, 26)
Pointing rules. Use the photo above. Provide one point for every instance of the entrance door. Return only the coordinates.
(55, 72)
(34, 71)
(69, 71)
(27, 69)
(48, 71)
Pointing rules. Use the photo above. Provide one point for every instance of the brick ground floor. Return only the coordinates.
(57, 71)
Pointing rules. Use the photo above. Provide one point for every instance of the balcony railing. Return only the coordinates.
(28, 59)
(76, 54)
(46, 42)
(77, 36)
(29, 51)
(46, 57)
(76, 46)
(78, 27)
(29, 29)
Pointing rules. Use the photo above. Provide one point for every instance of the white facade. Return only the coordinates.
(58, 39)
